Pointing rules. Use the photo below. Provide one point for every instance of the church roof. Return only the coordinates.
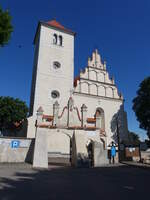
(57, 25)
(77, 78)
(40, 109)
(53, 24)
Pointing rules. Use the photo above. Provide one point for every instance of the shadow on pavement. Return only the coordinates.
(64, 183)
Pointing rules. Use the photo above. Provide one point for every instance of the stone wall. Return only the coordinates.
(16, 150)
(145, 156)
(100, 154)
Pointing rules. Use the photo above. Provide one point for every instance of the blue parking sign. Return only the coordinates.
(15, 144)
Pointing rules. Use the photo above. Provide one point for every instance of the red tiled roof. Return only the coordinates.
(56, 24)
(48, 117)
(91, 120)
(75, 80)
(90, 128)
(40, 109)
(45, 126)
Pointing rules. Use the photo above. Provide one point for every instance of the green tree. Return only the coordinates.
(141, 105)
(133, 139)
(12, 113)
(5, 27)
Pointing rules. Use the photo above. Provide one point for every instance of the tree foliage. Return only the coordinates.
(141, 105)
(12, 113)
(5, 27)
(133, 139)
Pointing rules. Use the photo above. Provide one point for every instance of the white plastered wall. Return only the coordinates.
(110, 107)
(48, 78)
(59, 141)
(89, 87)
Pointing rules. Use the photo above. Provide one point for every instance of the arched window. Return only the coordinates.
(93, 75)
(109, 92)
(85, 87)
(56, 65)
(55, 38)
(93, 89)
(101, 90)
(60, 40)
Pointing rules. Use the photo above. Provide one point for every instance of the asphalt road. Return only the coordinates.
(120, 182)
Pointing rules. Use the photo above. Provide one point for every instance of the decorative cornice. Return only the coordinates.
(65, 108)
(98, 96)
(78, 113)
(98, 82)
(96, 68)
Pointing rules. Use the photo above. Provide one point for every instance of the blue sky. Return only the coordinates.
(118, 28)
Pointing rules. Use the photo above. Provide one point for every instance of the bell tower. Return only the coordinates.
(53, 68)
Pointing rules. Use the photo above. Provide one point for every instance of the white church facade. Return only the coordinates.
(85, 108)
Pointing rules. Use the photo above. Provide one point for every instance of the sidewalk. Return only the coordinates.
(136, 164)
(51, 166)
(29, 166)
(16, 165)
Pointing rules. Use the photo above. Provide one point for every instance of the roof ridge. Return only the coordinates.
(55, 23)
(58, 25)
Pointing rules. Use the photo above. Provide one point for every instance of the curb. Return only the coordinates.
(137, 165)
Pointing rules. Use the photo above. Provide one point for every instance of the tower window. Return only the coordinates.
(60, 40)
(56, 65)
(55, 94)
(55, 39)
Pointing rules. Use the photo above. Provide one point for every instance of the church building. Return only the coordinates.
(71, 111)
